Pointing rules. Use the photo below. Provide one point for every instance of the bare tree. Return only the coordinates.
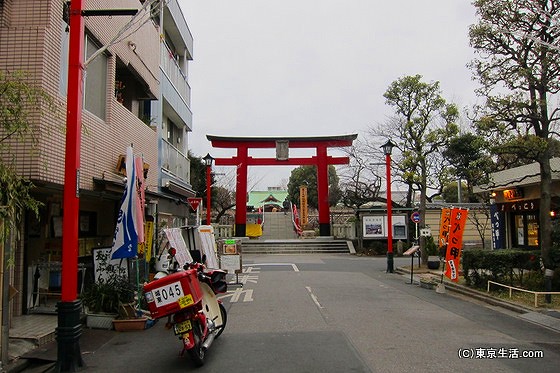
(359, 181)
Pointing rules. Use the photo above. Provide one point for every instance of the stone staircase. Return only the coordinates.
(279, 237)
(278, 226)
(297, 246)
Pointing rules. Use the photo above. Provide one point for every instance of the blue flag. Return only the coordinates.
(125, 240)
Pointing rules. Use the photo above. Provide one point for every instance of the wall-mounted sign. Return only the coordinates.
(514, 193)
(282, 150)
(375, 226)
(528, 205)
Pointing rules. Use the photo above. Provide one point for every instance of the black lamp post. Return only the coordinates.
(387, 150)
(208, 160)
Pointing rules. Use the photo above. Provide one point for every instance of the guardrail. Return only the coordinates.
(511, 288)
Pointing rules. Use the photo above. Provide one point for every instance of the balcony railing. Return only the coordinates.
(175, 162)
(175, 74)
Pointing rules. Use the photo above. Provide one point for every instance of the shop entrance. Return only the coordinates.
(525, 230)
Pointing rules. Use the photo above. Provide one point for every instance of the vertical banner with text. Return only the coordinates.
(444, 226)
(498, 223)
(457, 221)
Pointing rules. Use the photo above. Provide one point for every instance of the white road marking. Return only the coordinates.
(236, 294)
(295, 268)
(315, 300)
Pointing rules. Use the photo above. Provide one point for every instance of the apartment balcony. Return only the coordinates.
(174, 73)
(175, 163)
(176, 27)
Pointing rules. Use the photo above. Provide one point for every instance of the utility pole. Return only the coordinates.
(69, 329)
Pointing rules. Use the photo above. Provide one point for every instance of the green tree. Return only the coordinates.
(307, 175)
(198, 175)
(421, 128)
(518, 66)
(18, 101)
(470, 162)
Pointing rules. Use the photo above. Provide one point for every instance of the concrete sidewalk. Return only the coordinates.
(543, 317)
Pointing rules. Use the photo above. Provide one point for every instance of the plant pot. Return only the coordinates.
(100, 320)
(433, 262)
(123, 325)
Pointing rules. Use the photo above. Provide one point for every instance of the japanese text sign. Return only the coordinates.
(457, 221)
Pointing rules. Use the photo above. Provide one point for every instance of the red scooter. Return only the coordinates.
(188, 298)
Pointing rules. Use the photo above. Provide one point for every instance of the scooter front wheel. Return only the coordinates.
(224, 320)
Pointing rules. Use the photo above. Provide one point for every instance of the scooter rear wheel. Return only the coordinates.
(197, 352)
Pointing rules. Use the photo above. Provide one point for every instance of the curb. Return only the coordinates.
(476, 294)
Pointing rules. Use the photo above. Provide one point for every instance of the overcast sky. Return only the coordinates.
(316, 67)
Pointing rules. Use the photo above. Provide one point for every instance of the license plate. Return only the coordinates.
(168, 294)
(182, 327)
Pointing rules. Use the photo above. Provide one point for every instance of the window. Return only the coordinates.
(95, 79)
(174, 134)
(525, 230)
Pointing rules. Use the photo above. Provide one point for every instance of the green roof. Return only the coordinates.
(264, 197)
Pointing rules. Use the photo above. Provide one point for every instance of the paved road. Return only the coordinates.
(342, 313)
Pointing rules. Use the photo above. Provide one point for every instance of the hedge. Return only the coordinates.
(504, 266)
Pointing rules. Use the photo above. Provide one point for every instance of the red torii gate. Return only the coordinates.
(282, 144)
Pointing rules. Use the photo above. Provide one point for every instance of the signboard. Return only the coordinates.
(208, 245)
(412, 250)
(303, 205)
(515, 193)
(177, 242)
(230, 255)
(375, 227)
(498, 227)
(104, 266)
(230, 263)
(415, 217)
(444, 226)
(458, 219)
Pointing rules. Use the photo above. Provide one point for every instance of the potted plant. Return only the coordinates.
(103, 298)
(129, 318)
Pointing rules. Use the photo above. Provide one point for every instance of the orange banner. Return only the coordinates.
(457, 221)
(444, 226)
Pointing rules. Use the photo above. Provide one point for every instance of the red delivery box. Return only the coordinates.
(171, 293)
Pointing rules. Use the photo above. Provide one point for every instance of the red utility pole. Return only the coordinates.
(71, 202)
(69, 329)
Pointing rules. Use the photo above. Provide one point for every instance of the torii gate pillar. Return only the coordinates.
(321, 161)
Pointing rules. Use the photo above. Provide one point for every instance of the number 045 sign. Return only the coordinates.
(167, 294)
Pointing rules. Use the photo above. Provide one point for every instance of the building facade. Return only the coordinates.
(515, 204)
(131, 96)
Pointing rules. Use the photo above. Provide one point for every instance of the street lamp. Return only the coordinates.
(387, 149)
(208, 160)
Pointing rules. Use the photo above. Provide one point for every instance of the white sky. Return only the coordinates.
(316, 67)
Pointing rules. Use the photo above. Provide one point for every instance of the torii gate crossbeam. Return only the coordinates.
(321, 161)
